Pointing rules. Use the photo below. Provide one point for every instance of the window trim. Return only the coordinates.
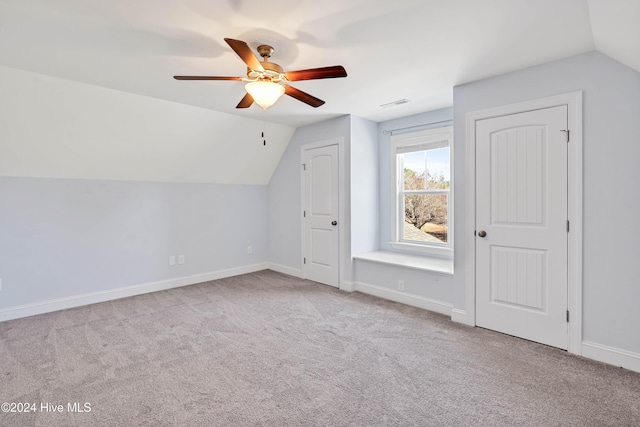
(409, 139)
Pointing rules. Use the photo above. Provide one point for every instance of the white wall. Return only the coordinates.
(423, 289)
(365, 204)
(98, 187)
(611, 271)
(55, 128)
(63, 237)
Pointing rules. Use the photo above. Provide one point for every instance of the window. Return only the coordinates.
(422, 207)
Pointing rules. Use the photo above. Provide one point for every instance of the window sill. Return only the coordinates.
(418, 262)
(432, 251)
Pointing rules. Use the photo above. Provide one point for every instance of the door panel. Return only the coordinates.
(521, 205)
(517, 176)
(320, 174)
(321, 248)
(321, 185)
(517, 277)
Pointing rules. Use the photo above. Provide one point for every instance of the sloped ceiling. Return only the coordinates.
(616, 29)
(56, 128)
(406, 49)
(86, 87)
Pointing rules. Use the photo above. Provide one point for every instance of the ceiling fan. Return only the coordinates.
(266, 79)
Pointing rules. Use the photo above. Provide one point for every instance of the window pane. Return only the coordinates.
(414, 170)
(427, 169)
(425, 217)
(438, 176)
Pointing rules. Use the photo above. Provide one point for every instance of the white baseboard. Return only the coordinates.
(286, 270)
(405, 298)
(348, 286)
(128, 291)
(611, 355)
(460, 316)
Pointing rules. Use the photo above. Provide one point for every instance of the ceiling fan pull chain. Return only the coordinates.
(264, 141)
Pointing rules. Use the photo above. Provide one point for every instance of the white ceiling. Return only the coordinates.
(413, 49)
(57, 128)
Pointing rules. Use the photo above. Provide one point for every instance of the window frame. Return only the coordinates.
(434, 135)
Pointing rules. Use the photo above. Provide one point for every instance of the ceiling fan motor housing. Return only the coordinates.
(272, 71)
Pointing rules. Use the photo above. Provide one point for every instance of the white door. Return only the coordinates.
(320, 214)
(521, 225)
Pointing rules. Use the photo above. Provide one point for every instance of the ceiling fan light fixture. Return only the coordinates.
(264, 93)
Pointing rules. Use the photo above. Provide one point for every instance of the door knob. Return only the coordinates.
(334, 222)
(482, 233)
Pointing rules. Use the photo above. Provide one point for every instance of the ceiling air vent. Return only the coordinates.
(395, 103)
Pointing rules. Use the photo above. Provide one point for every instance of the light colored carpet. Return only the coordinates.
(269, 349)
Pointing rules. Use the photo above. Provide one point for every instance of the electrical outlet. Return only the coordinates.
(401, 285)
(172, 260)
(180, 259)
(249, 250)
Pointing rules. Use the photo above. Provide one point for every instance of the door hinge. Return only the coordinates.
(304, 167)
(304, 214)
(566, 131)
(304, 260)
(567, 316)
(567, 226)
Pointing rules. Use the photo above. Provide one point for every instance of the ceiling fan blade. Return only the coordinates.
(317, 73)
(302, 96)
(245, 102)
(206, 78)
(244, 51)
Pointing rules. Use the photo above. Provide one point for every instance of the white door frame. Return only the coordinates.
(573, 100)
(339, 141)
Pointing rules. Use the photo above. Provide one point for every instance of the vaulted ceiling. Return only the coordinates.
(406, 49)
